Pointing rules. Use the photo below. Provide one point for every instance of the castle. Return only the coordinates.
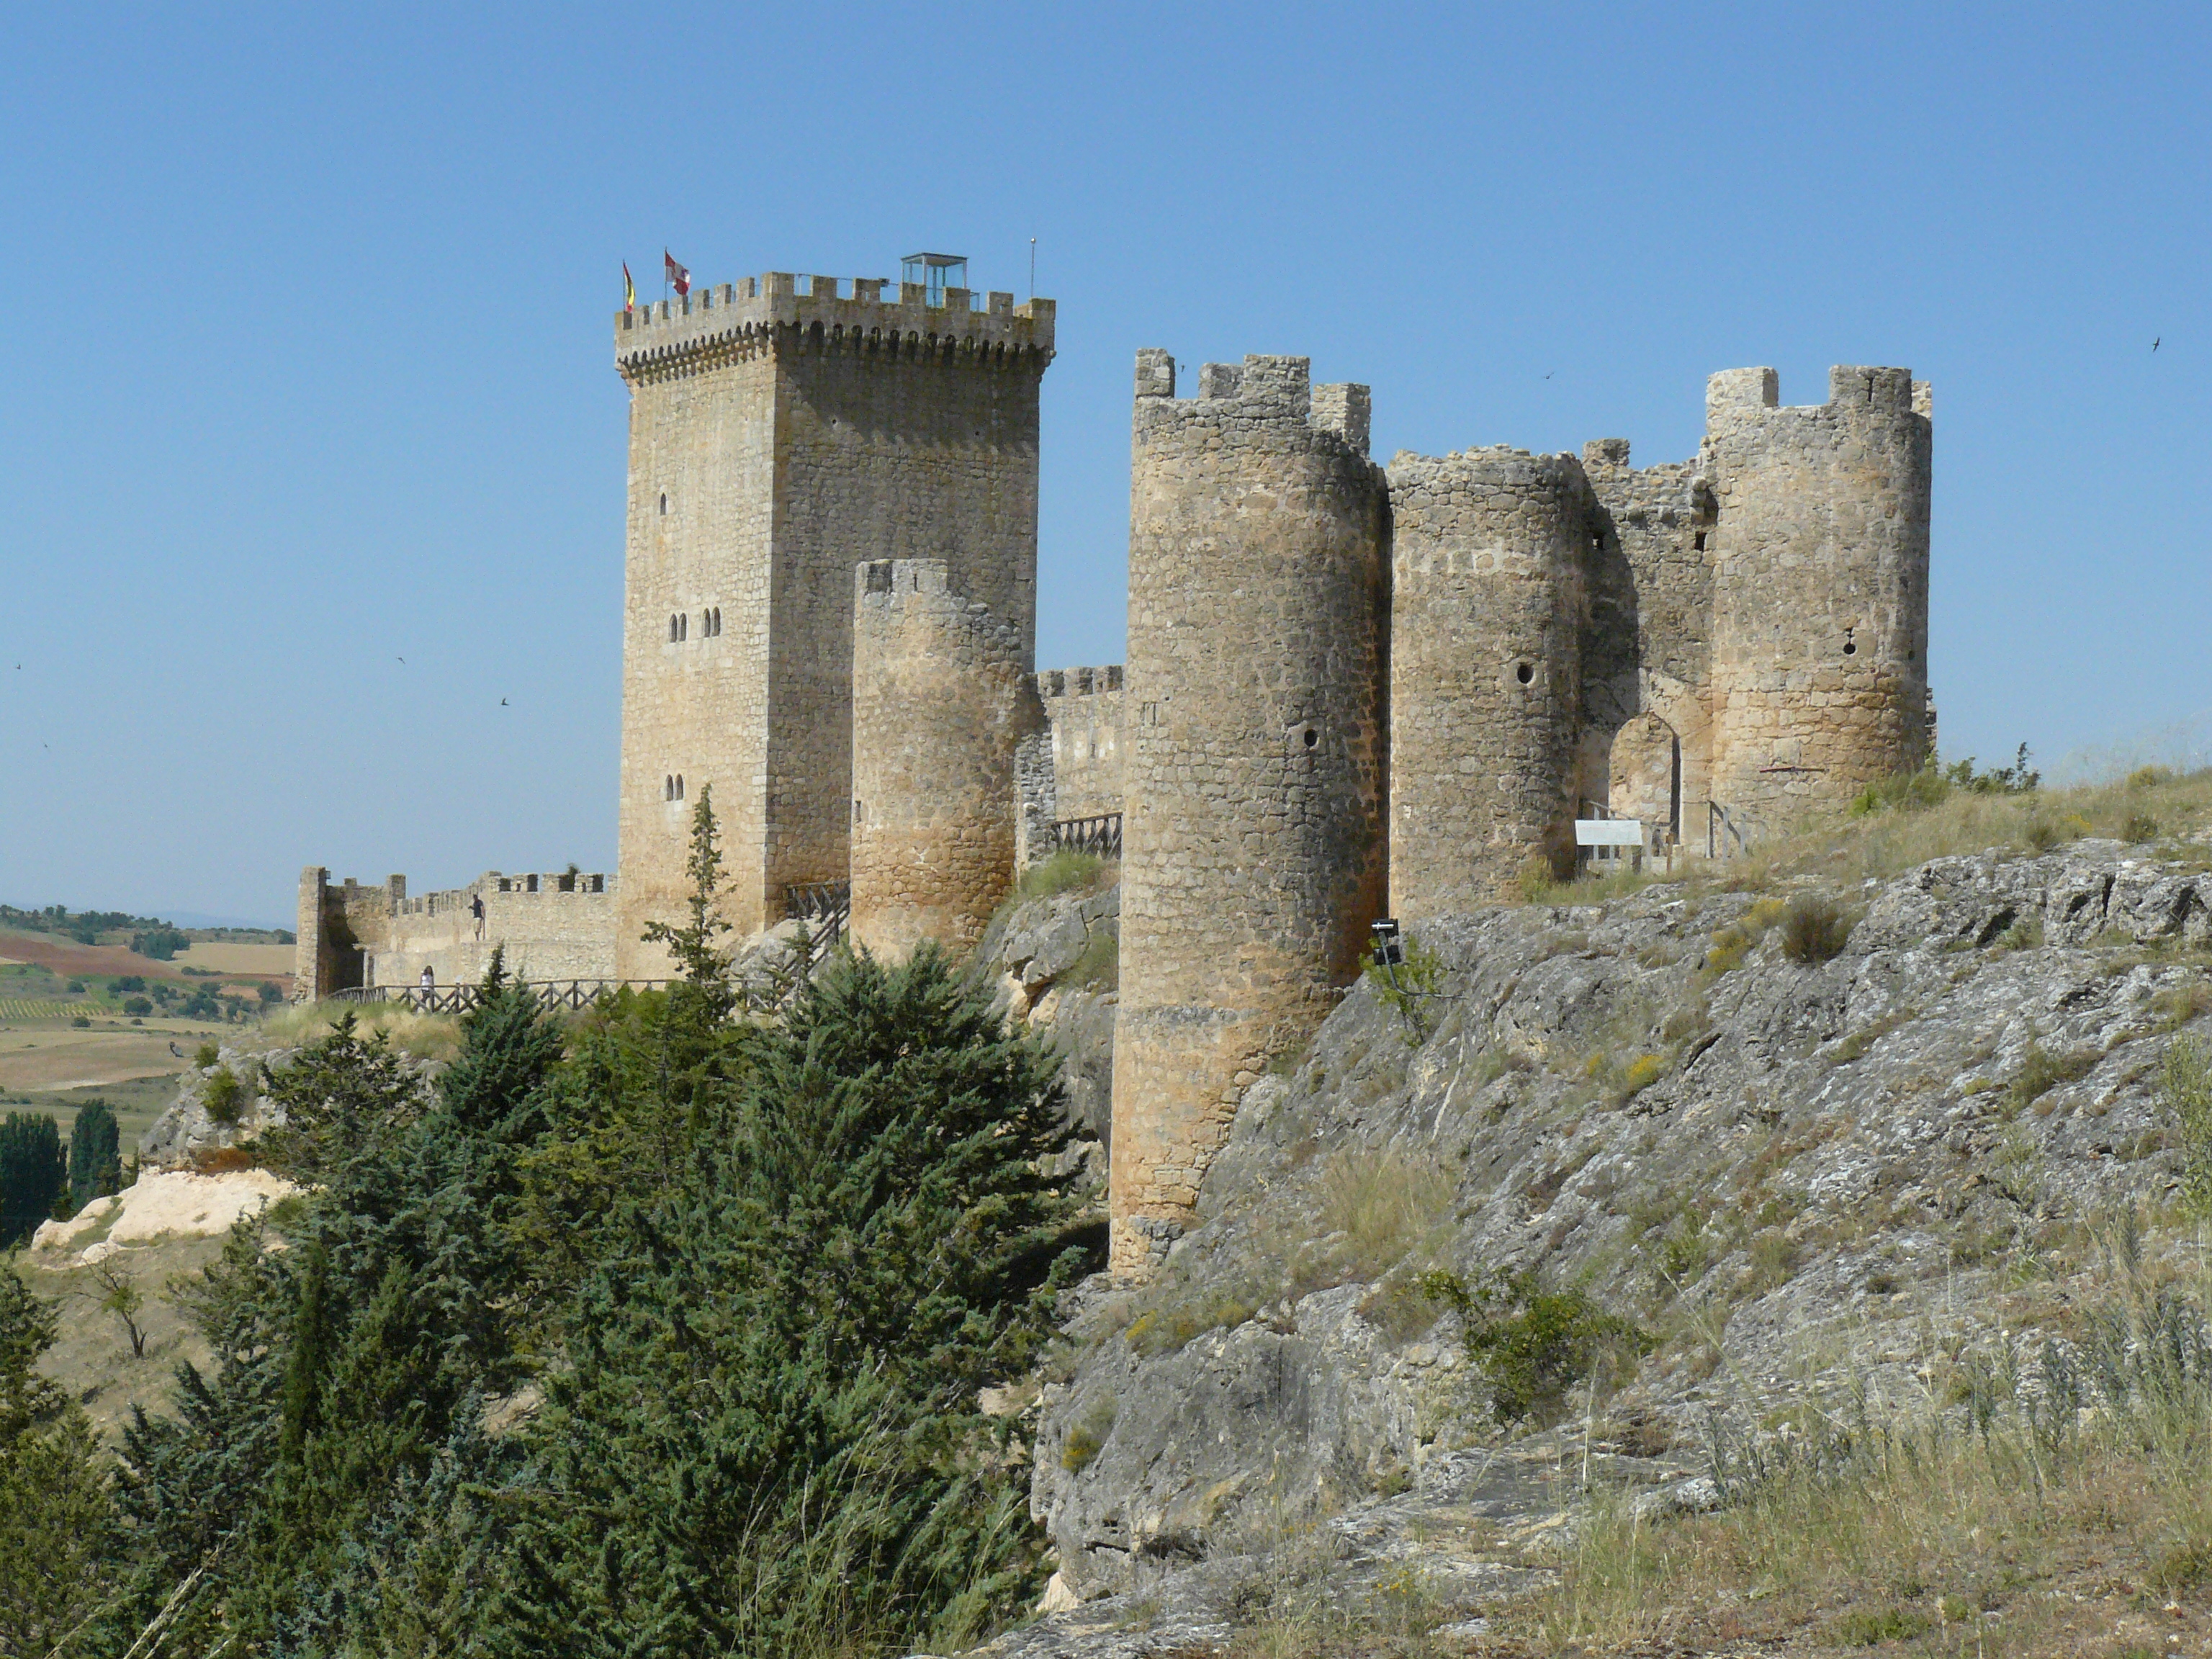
(1351, 690)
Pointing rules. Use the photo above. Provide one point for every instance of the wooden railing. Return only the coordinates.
(1100, 836)
(550, 994)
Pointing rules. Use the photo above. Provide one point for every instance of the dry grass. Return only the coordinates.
(424, 1036)
(2059, 1510)
(1886, 844)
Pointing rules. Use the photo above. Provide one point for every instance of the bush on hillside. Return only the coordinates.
(1813, 930)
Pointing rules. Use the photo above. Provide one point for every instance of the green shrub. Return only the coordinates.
(2014, 780)
(1062, 871)
(137, 1006)
(2026, 934)
(2149, 777)
(1733, 942)
(1409, 988)
(1813, 930)
(206, 1055)
(224, 1096)
(1909, 790)
(2185, 1090)
(2041, 1071)
(79, 1020)
(1641, 1072)
(1865, 1629)
(1533, 1344)
(269, 993)
(1099, 967)
(75, 988)
(1087, 1438)
(2139, 826)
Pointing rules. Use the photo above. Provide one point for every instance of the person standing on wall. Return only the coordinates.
(476, 909)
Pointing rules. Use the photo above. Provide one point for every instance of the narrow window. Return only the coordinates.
(684, 626)
(672, 630)
(668, 786)
(679, 786)
(664, 503)
(1525, 672)
(1700, 543)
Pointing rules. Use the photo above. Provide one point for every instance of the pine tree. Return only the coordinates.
(57, 1531)
(350, 1364)
(768, 1435)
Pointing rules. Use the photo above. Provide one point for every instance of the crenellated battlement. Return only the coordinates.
(780, 311)
(1078, 681)
(1737, 398)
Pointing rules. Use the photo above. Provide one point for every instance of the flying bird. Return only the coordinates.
(402, 660)
(502, 703)
(1549, 376)
(2154, 344)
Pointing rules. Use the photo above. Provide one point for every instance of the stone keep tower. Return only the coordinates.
(942, 699)
(779, 434)
(1253, 853)
(1820, 658)
(1489, 553)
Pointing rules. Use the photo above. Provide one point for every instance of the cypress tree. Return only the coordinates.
(95, 1157)
(34, 1174)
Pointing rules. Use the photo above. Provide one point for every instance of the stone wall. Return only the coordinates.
(1086, 707)
(554, 926)
(1647, 655)
(942, 699)
(1819, 629)
(1252, 841)
(1490, 557)
(777, 438)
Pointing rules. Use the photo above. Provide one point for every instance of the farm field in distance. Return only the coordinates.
(83, 1015)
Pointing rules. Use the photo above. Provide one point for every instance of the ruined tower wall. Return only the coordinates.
(1648, 649)
(1488, 601)
(778, 438)
(942, 701)
(1819, 588)
(1086, 707)
(1253, 846)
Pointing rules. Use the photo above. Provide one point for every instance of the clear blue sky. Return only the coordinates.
(311, 367)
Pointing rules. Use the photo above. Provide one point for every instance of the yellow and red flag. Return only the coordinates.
(629, 289)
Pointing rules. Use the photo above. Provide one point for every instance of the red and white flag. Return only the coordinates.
(679, 278)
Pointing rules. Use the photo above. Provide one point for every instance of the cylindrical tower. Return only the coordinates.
(1490, 555)
(1820, 589)
(1253, 842)
(942, 698)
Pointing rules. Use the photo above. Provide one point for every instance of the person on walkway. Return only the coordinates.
(429, 983)
(476, 909)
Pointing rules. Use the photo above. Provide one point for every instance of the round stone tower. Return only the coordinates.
(1253, 842)
(942, 697)
(1819, 653)
(1490, 559)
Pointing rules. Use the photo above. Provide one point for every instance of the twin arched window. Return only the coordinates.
(710, 625)
(672, 786)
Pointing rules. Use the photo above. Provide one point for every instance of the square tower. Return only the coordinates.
(780, 435)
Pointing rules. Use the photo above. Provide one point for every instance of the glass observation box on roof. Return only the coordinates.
(934, 273)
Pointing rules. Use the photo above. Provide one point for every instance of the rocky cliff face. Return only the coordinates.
(1725, 1178)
